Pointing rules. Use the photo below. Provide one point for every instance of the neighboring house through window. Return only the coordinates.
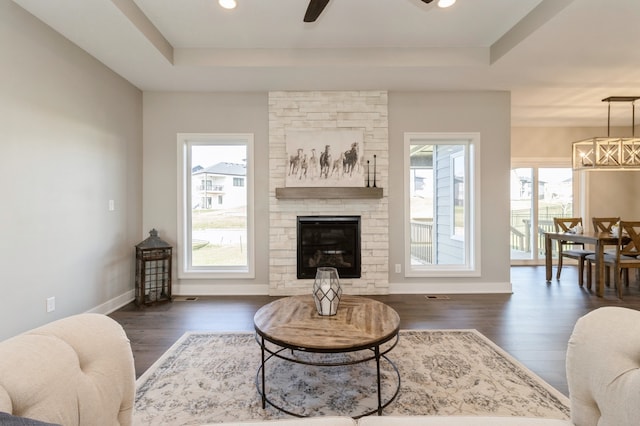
(216, 206)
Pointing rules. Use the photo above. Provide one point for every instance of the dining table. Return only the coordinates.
(598, 239)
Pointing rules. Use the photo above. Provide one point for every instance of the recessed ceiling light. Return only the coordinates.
(445, 3)
(228, 4)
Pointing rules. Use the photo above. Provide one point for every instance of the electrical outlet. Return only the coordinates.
(51, 304)
(112, 205)
(398, 268)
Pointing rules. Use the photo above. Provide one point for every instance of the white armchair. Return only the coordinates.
(75, 371)
(603, 368)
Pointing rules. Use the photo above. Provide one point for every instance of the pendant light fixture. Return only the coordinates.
(607, 153)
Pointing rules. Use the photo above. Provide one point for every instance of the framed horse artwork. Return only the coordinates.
(324, 158)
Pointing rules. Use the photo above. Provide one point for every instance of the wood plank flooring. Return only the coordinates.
(533, 324)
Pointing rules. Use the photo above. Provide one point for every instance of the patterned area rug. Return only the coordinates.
(211, 377)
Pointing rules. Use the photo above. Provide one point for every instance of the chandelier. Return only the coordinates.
(607, 153)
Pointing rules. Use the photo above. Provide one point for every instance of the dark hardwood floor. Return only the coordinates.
(533, 324)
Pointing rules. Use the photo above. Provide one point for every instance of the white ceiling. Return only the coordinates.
(558, 58)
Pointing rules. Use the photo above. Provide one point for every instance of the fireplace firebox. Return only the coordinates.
(328, 241)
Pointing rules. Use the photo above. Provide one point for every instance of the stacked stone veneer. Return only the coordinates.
(319, 110)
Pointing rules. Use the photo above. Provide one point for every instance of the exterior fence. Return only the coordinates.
(521, 233)
(422, 237)
(422, 240)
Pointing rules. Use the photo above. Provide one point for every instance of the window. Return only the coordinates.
(458, 176)
(215, 198)
(538, 194)
(441, 180)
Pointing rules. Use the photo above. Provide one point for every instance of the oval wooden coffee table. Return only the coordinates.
(360, 325)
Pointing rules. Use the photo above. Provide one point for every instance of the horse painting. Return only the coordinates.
(325, 161)
(350, 160)
(313, 164)
(338, 166)
(323, 158)
(303, 167)
(294, 163)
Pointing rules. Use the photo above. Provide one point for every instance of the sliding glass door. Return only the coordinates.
(538, 194)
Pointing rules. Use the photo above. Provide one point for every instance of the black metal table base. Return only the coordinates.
(378, 355)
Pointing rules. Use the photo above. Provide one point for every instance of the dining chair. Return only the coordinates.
(601, 224)
(570, 249)
(627, 252)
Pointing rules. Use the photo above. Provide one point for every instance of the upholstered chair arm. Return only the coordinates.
(603, 368)
(75, 371)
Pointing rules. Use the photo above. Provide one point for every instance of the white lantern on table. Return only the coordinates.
(326, 290)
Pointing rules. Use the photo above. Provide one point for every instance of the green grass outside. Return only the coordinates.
(218, 219)
(214, 254)
(233, 254)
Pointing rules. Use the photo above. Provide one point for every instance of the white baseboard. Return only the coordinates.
(220, 290)
(450, 288)
(114, 304)
(263, 290)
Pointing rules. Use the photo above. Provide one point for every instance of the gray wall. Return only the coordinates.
(611, 194)
(549, 142)
(70, 141)
(489, 114)
(555, 142)
(166, 115)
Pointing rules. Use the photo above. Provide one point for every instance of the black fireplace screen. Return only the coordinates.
(329, 241)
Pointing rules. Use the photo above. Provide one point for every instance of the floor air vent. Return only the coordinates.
(437, 297)
(185, 298)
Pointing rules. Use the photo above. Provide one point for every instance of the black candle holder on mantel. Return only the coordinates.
(368, 186)
(374, 174)
(374, 171)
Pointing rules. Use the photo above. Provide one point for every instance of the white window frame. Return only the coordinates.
(545, 163)
(185, 270)
(471, 266)
(455, 156)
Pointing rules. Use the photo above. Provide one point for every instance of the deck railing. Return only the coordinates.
(422, 240)
(521, 233)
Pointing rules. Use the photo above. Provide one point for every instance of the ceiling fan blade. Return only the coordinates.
(314, 9)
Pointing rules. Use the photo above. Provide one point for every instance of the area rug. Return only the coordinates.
(211, 377)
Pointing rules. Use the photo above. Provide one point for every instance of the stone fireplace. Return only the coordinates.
(348, 110)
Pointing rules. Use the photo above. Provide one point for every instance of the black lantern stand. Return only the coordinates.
(153, 270)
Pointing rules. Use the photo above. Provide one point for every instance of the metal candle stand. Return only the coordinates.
(374, 173)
